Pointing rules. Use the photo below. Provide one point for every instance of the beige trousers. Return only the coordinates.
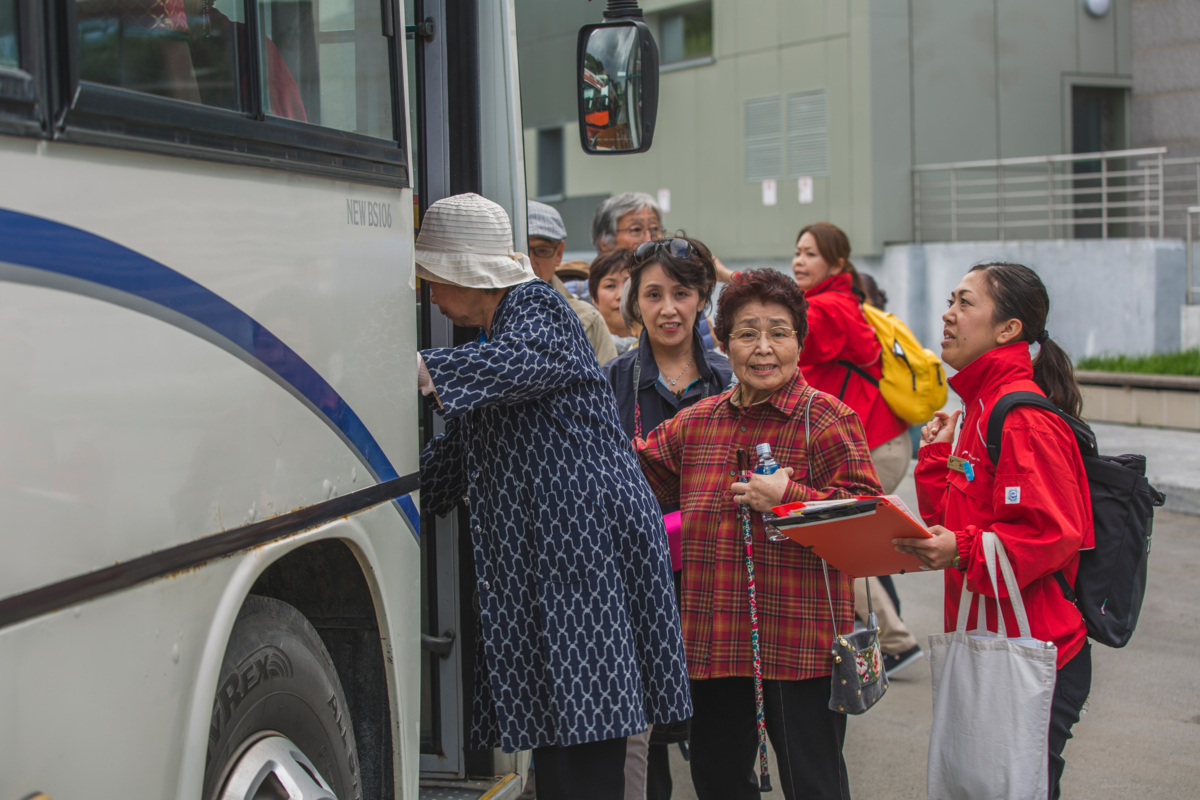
(891, 462)
(894, 636)
(637, 754)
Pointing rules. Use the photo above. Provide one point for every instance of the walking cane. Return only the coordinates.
(764, 777)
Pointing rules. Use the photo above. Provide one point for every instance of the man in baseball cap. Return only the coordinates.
(547, 240)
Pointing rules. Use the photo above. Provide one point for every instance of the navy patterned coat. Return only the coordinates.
(579, 632)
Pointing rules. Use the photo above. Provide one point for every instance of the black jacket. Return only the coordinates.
(657, 402)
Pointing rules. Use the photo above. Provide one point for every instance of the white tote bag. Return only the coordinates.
(991, 702)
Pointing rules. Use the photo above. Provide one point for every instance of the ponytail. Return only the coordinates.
(1055, 375)
(856, 282)
(1018, 293)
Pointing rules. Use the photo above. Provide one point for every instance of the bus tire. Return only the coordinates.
(277, 679)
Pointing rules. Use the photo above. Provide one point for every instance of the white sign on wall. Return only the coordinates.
(769, 194)
(664, 200)
(806, 190)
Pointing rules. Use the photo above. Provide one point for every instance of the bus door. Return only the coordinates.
(462, 78)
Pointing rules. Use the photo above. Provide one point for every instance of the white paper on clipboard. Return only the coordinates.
(817, 506)
(895, 500)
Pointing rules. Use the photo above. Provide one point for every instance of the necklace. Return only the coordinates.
(685, 369)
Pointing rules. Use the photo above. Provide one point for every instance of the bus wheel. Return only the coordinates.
(279, 722)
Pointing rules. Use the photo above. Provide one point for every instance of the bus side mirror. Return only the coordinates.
(618, 85)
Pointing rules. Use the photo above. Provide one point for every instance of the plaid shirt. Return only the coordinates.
(691, 459)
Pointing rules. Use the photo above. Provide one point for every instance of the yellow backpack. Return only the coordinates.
(913, 383)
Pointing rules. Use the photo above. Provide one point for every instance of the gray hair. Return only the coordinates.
(608, 215)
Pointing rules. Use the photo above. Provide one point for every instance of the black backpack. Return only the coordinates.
(1111, 580)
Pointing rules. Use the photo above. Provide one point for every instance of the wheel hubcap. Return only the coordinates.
(274, 769)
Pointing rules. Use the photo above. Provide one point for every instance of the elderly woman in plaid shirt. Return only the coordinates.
(691, 460)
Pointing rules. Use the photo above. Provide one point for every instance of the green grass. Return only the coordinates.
(1186, 362)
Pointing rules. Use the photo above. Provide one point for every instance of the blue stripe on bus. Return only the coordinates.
(43, 244)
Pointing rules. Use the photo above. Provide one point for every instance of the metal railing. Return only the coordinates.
(1181, 190)
(1083, 195)
(1191, 284)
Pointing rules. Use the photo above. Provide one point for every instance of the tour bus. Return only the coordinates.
(216, 580)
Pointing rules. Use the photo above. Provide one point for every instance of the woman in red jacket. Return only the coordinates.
(1035, 499)
(841, 358)
(841, 350)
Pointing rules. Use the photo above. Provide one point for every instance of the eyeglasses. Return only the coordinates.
(748, 336)
(676, 248)
(544, 252)
(637, 230)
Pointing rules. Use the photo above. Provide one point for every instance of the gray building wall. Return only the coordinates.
(993, 78)
(1106, 296)
(908, 82)
(1165, 108)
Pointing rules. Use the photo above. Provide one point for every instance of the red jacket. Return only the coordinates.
(838, 330)
(1043, 524)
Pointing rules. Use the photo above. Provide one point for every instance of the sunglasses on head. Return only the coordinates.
(676, 248)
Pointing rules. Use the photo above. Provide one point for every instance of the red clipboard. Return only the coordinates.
(855, 538)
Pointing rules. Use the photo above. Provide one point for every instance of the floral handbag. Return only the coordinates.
(858, 679)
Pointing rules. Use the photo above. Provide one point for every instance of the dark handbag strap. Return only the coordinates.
(637, 402)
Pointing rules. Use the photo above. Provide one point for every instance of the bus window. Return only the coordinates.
(339, 57)
(9, 57)
(186, 49)
(194, 50)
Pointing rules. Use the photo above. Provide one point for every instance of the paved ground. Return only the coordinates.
(1141, 734)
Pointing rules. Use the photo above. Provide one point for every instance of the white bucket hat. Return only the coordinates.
(466, 240)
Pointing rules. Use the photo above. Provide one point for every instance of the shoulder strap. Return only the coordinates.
(857, 370)
(995, 426)
(1083, 437)
(1067, 591)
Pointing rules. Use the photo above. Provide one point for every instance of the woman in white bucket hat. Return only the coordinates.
(579, 642)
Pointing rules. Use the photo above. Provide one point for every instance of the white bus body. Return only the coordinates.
(134, 427)
(208, 334)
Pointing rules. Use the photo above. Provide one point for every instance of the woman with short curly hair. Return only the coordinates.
(691, 460)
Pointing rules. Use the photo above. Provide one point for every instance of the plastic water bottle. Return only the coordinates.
(767, 465)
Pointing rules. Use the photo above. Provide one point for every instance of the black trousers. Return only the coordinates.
(658, 772)
(592, 771)
(1071, 689)
(806, 735)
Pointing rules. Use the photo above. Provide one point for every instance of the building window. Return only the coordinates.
(808, 134)
(764, 138)
(686, 33)
(1097, 125)
(1097, 119)
(550, 179)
